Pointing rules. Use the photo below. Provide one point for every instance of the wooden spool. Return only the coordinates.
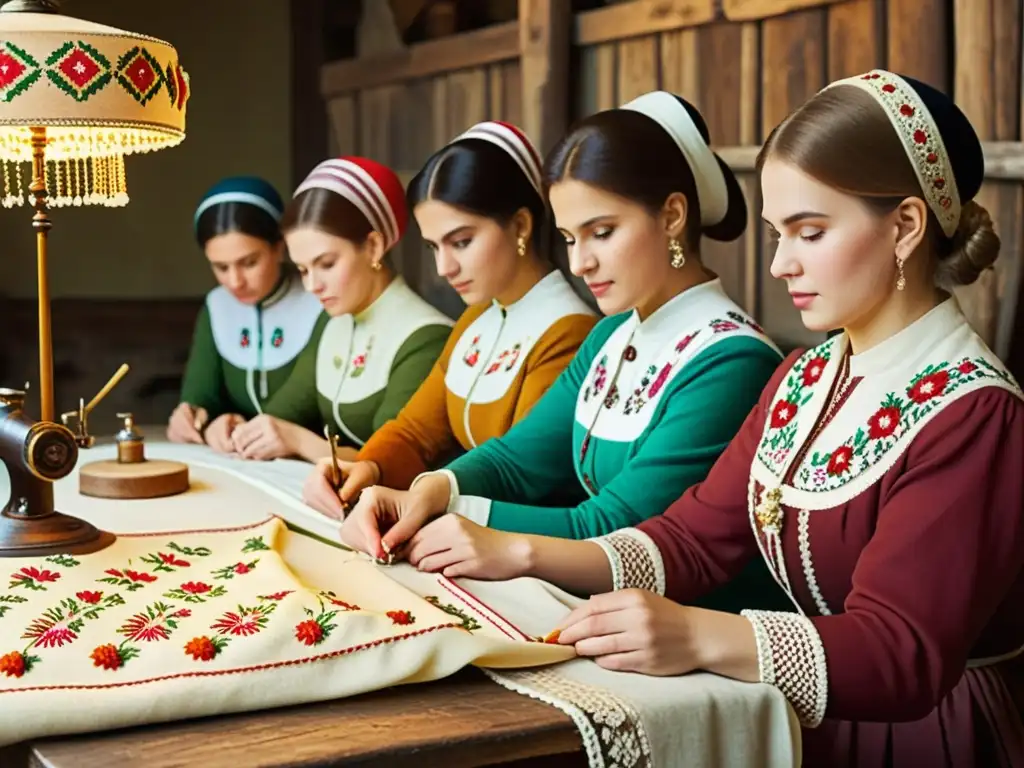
(147, 479)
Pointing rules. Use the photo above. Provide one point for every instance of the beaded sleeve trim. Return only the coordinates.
(635, 560)
(790, 656)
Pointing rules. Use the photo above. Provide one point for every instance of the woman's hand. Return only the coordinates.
(264, 438)
(634, 630)
(384, 519)
(181, 428)
(321, 495)
(218, 434)
(456, 547)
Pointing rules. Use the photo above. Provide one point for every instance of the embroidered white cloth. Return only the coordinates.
(624, 720)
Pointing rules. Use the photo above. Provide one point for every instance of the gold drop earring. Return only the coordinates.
(678, 257)
(521, 246)
(901, 279)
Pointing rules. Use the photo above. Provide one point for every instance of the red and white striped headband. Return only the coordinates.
(352, 182)
(514, 142)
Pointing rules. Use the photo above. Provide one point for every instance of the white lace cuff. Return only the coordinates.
(791, 657)
(635, 560)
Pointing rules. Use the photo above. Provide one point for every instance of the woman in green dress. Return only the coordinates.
(253, 326)
(656, 391)
(377, 340)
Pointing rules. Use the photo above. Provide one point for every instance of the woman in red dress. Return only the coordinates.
(881, 476)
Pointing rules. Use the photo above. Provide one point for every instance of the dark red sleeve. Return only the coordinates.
(704, 538)
(948, 546)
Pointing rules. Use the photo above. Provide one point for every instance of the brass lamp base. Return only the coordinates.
(52, 534)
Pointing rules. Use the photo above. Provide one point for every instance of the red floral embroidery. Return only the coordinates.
(195, 587)
(309, 632)
(33, 578)
(659, 382)
(196, 591)
(783, 413)
(967, 367)
(238, 569)
(172, 560)
(245, 622)
(107, 657)
(205, 648)
(129, 579)
(928, 387)
(812, 372)
(15, 664)
(89, 597)
(277, 595)
(884, 422)
(155, 622)
(840, 460)
(113, 657)
(402, 618)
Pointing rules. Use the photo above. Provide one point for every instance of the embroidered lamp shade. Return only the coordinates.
(94, 92)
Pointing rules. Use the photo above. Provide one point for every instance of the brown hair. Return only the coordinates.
(843, 138)
(328, 212)
(630, 155)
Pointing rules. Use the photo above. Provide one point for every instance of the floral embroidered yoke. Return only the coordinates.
(242, 355)
(362, 369)
(497, 364)
(884, 490)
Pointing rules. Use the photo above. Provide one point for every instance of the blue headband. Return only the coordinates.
(251, 190)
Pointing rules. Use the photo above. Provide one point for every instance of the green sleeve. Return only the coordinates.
(534, 458)
(412, 365)
(296, 400)
(202, 385)
(697, 419)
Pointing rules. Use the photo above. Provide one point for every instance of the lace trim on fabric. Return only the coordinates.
(791, 657)
(635, 560)
(612, 733)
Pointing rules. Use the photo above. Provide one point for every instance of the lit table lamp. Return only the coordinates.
(75, 98)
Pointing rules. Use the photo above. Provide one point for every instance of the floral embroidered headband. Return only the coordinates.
(904, 103)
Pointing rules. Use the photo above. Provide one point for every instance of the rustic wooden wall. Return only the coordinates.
(746, 64)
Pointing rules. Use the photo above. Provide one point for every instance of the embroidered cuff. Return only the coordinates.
(635, 560)
(791, 657)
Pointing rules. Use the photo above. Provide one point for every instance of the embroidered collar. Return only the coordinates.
(923, 333)
(663, 324)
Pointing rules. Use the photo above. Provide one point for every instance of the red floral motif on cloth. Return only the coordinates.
(160, 604)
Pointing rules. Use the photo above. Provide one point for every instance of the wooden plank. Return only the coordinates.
(343, 118)
(467, 99)
(680, 64)
(856, 38)
(792, 70)
(488, 45)
(310, 138)
(640, 17)
(916, 31)
(987, 41)
(512, 73)
(726, 79)
(465, 720)
(495, 92)
(638, 67)
(544, 27)
(754, 10)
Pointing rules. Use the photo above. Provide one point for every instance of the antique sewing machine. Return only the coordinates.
(36, 454)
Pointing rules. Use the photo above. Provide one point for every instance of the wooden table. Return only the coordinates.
(464, 720)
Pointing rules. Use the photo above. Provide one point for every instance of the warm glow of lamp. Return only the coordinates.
(75, 99)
